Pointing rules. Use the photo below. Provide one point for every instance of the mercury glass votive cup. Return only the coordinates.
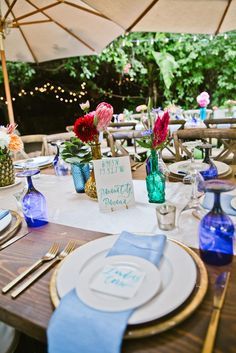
(216, 229)
(166, 216)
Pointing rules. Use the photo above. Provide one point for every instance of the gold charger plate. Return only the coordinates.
(168, 321)
(10, 231)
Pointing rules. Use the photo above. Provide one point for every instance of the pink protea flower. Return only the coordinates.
(160, 129)
(11, 128)
(103, 114)
(203, 99)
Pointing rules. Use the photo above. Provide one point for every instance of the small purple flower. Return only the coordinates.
(147, 132)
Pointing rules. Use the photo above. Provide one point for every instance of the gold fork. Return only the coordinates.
(68, 249)
(50, 255)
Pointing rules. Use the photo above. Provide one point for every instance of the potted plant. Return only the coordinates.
(78, 155)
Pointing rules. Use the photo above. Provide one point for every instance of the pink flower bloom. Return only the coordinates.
(160, 129)
(203, 99)
(11, 128)
(126, 68)
(141, 108)
(103, 114)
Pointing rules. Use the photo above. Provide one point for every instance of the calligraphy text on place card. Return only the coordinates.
(118, 280)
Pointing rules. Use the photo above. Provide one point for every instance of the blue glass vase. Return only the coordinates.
(33, 203)
(216, 230)
(211, 172)
(203, 113)
(80, 173)
(155, 180)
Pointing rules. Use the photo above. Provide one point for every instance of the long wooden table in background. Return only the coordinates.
(31, 311)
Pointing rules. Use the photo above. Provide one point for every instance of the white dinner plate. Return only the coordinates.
(39, 161)
(233, 202)
(177, 269)
(182, 166)
(17, 181)
(118, 269)
(4, 222)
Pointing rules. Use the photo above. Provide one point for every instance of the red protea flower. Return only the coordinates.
(84, 128)
(103, 113)
(160, 130)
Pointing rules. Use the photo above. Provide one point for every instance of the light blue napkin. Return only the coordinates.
(225, 201)
(77, 328)
(3, 213)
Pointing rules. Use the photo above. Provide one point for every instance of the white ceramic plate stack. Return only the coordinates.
(178, 275)
(178, 167)
(37, 162)
(5, 221)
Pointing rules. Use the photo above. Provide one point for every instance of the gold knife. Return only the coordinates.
(221, 285)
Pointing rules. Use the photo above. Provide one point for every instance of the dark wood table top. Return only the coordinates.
(30, 312)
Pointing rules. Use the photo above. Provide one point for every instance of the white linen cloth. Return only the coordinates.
(69, 208)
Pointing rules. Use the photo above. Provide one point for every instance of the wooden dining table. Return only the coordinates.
(31, 311)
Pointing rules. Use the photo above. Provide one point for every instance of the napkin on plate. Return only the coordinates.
(75, 327)
(3, 213)
(225, 200)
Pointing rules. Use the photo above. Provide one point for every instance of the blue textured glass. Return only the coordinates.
(203, 113)
(216, 230)
(33, 203)
(211, 172)
(80, 174)
(155, 180)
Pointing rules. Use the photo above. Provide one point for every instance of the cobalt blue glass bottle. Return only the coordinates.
(216, 230)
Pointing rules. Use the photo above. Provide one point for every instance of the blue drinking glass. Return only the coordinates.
(33, 203)
(216, 230)
(80, 173)
(211, 172)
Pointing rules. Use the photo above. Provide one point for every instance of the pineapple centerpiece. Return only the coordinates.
(9, 143)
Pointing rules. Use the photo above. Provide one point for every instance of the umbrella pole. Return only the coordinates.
(6, 81)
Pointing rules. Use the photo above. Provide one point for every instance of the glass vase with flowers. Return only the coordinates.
(88, 129)
(9, 143)
(154, 138)
(203, 100)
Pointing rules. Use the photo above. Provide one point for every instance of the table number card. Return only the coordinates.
(114, 183)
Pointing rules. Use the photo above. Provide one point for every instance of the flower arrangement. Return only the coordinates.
(9, 141)
(203, 99)
(88, 127)
(156, 132)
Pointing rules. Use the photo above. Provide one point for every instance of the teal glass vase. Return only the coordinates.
(155, 180)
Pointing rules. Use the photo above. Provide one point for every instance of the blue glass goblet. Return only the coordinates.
(216, 230)
(212, 171)
(33, 203)
(60, 167)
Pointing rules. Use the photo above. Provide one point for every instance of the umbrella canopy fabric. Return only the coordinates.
(41, 30)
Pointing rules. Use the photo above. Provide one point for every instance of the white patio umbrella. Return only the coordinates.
(41, 30)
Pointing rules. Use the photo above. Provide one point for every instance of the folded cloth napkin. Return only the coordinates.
(225, 201)
(77, 328)
(3, 213)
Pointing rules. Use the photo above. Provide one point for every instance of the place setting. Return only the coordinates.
(39, 162)
(10, 224)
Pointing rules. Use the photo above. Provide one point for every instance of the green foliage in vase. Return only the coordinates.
(76, 152)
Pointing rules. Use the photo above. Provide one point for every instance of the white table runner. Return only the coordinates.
(67, 207)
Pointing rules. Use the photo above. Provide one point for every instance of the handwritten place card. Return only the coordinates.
(118, 280)
(114, 183)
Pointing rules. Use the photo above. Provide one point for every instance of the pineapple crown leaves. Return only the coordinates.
(75, 151)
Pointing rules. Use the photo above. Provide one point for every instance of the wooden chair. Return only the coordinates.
(226, 136)
(218, 122)
(64, 136)
(33, 145)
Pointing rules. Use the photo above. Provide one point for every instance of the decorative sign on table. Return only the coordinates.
(114, 183)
